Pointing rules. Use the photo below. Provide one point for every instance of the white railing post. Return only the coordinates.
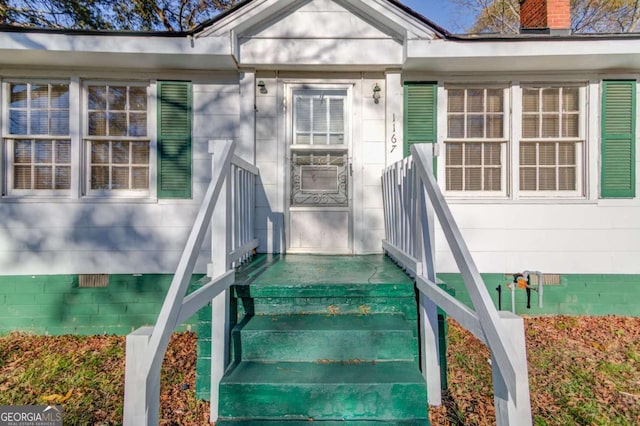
(141, 405)
(220, 248)
(430, 361)
(509, 410)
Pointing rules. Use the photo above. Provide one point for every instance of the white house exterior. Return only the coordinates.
(535, 136)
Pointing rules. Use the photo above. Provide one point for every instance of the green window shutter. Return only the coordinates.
(420, 114)
(618, 139)
(174, 139)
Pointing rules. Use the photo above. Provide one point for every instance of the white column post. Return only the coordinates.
(510, 411)
(246, 145)
(221, 245)
(141, 402)
(430, 362)
(394, 101)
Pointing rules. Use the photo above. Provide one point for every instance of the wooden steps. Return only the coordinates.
(341, 352)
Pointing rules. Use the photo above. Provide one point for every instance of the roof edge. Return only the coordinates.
(8, 28)
(437, 28)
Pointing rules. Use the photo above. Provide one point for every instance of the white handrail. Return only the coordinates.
(146, 346)
(407, 185)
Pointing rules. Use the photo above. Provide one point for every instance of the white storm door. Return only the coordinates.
(319, 177)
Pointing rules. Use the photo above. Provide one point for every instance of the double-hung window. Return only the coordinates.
(552, 144)
(116, 139)
(38, 146)
(476, 143)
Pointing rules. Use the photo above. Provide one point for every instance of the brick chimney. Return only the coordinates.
(545, 17)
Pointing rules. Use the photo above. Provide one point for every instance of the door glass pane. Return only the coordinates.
(336, 115)
(303, 114)
(319, 117)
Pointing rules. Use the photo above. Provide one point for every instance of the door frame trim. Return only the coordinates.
(288, 88)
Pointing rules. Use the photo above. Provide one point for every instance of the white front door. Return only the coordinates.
(319, 184)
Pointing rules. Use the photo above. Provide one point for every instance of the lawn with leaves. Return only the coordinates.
(583, 371)
(35, 368)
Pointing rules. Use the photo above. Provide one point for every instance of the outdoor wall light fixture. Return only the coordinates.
(262, 87)
(376, 94)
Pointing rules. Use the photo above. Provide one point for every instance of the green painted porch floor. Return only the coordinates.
(331, 339)
(301, 270)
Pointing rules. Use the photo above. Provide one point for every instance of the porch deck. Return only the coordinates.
(301, 271)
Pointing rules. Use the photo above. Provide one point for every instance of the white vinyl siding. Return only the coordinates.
(475, 144)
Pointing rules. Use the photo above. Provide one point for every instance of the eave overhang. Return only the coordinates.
(595, 54)
(114, 51)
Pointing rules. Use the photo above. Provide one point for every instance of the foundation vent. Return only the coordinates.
(93, 280)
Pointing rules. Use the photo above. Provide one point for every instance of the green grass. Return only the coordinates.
(92, 368)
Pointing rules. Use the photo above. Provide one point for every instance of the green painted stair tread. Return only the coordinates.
(323, 305)
(332, 391)
(261, 290)
(328, 322)
(309, 338)
(323, 373)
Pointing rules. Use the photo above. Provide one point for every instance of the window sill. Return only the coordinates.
(33, 199)
(520, 201)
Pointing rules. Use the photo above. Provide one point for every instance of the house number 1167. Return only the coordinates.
(394, 138)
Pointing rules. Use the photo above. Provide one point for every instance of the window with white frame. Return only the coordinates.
(116, 138)
(551, 148)
(36, 135)
(476, 142)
